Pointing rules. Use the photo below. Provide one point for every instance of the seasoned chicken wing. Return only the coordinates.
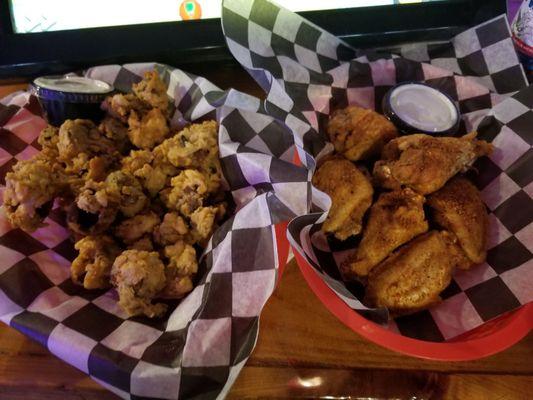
(412, 278)
(458, 208)
(358, 133)
(424, 163)
(351, 195)
(92, 267)
(30, 190)
(395, 218)
(139, 276)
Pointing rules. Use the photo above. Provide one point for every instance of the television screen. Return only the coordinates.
(33, 16)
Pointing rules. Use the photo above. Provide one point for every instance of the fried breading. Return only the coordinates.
(153, 91)
(116, 131)
(81, 136)
(358, 133)
(203, 222)
(192, 146)
(157, 205)
(395, 218)
(48, 139)
(144, 243)
(30, 190)
(124, 187)
(134, 228)
(139, 276)
(143, 165)
(458, 208)
(173, 229)
(180, 269)
(94, 209)
(351, 195)
(189, 190)
(121, 105)
(149, 129)
(92, 266)
(425, 163)
(413, 277)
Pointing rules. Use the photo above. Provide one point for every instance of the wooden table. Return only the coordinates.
(303, 351)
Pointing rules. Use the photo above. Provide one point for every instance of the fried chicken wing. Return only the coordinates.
(134, 228)
(412, 278)
(395, 218)
(30, 190)
(139, 276)
(424, 163)
(92, 266)
(358, 133)
(458, 208)
(351, 195)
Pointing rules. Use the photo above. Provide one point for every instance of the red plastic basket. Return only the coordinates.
(490, 338)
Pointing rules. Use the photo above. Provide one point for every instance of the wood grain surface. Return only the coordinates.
(303, 351)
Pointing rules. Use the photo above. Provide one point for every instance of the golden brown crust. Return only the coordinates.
(412, 278)
(153, 91)
(30, 190)
(139, 276)
(151, 205)
(149, 129)
(92, 266)
(425, 163)
(351, 195)
(358, 133)
(395, 218)
(458, 208)
(134, 228)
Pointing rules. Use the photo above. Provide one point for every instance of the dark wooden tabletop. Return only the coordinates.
(303, 351)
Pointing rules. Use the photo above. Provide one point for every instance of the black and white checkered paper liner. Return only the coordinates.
(199, 347)
(308, 72)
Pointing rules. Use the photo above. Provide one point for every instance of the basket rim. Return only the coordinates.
(513, 326)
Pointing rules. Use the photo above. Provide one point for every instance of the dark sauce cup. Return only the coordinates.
(70, 97)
